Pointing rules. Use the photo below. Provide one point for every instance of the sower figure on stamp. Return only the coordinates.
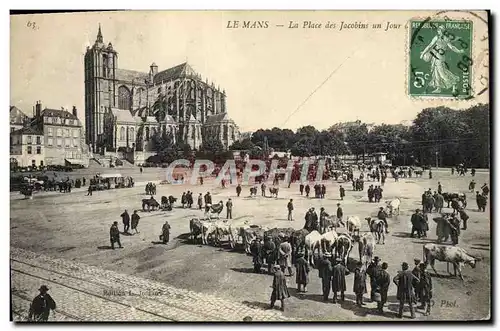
(114, 235)
(41, 305)
(280, 290)
(404, 282)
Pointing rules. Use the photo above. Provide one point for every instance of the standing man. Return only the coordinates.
(208, 199)
(114, 235)
(440, 188)
(302, 273)
(307, 189)
(373, 270)
(238, 190)
(165, 233)
(323, 191)
(290, 210)
(200, 201)
(425, 289)
(342, 192)
(340, 213)
(383, 283)
(89, 191)
(263, 189)
(270, 253)
(126, 221)
(472, 185)
(323, 220)
(41, 305)
(382, 215)
(301, 188)
(135, 221)
(359, 286)
(285, 254)
(403, 281)
(256, 250)
(325, 273)
(229, 208)
(338, 279)
(280, 290)
(415, 283)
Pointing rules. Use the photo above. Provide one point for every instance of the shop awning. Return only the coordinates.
(74, 161)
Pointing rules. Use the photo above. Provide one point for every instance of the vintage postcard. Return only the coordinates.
(249, 166)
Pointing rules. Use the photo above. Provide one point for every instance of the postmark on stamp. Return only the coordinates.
(440, 58)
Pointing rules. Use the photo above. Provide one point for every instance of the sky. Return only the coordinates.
(277, 76)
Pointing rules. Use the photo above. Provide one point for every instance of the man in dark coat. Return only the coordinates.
(416, 284)
(114, 235)
(342, 192)
(256, 250)
(314, 220)
(280, 290)
(464, 217)
(323, 191)
(373, 271)
(440, 188)
(126, 221)
(301, 189)
(417, 223)
(340, 213)
(404, 280)
(383, 281)
(325, 273)
(323, 220)
(370, 193)
(425, 289)
(238, 190)
(200, 201)
(41, 305)
(208, 198)
(183, 199)
(302, 273)
(359, 286)
(165, 233)
(338, 280)
(135, 221)
(382, 215)
(290, 210)
(270, 253)
(307, 189)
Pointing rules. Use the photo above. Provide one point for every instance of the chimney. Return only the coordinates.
(153, 69)
(38, 109)
(75, 112)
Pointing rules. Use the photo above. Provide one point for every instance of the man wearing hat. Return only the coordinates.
(403, 281)
(340, 213)
(425, 289)
(373, 271)
(383, 282)
(41, 306)
(415, 283)
(270, 252)
(280, 290)
(165, 233)
(285, 254)
(114, 235)
(256, 250)
(417, 223)
(302, 272)
(135, 221)
(338, 279)
(323, 220)
(382, 215)
(325, 273)
(359, 286)
(314, 220)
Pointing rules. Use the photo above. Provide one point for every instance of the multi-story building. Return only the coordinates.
(59, 138)
(18, 119)
(125, 108)
(26, 148)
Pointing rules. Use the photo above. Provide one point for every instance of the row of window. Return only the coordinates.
(59, 141)
(38, 140)
(38, 150)
(59, 120)
(60, 133)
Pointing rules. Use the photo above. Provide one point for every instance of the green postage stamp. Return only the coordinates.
(440, 59)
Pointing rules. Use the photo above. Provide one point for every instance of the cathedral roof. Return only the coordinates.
(193, 119)
(122, 115)
(128, 75)
(17, 116)
(218, 118)
(181, 70)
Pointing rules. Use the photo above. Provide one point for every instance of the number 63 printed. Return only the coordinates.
(420, 79)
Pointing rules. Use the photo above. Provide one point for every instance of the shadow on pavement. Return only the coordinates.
(256, 304)
(103, 247)
(401, 234)
(243, 270)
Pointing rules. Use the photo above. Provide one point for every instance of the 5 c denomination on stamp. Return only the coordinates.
(440, 58)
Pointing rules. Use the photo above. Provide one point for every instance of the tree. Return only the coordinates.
(356, 138)
(245, 144)
(212, 145)
(390, 139)
(162, 141)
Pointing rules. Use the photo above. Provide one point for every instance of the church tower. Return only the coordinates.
(101, 62)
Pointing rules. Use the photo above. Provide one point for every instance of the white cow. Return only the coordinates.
(312, 242)
(393, 206)
(328, 240)
(366, 248)
(343, 247)
(450, 254)
(353, 224)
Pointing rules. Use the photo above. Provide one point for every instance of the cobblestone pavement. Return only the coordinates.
(93, 294)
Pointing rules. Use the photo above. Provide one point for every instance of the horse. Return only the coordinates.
(151, 203)
(274, 191)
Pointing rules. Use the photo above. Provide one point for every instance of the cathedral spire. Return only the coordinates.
(99, 35)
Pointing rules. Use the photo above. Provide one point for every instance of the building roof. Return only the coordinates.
(29, 130)
(17, 116)
(218, 118)
(193, 119)
(181, 70)
(122, 115)
(58, 113)
(129, 75)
